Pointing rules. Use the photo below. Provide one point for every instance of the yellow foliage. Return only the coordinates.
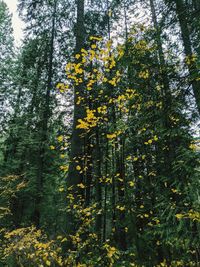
(30, 244)
(131, 183)
(64, 168)
(60, 138)
(81, 185)
(78, 167)
(144, 74)
(89, 121)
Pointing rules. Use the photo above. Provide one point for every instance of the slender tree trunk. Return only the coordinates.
(44, 127)
(75, 177)
(88, 173)
(98, 185)
(120, 168)
(166, 92)
(105, 196)
(77, 142)
(167, 103)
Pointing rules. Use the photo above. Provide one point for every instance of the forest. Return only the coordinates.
(99, 134)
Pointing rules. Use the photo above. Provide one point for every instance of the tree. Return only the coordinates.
(7, 61)
(32, 129)
(77, 143)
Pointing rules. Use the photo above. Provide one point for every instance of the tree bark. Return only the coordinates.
(44, 126)
(77, 142)
(75, 177)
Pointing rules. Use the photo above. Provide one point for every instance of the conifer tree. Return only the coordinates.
(7, 61)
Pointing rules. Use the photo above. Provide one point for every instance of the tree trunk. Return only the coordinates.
(44, 127)
(77, 141)
(98, 185)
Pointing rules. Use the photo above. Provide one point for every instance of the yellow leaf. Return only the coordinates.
(81, 185)
(179, 216)
(131, 183)
(78, 168)
(121, 208)
(111, 251)
(77, 56)
(61, 189)
(48, 263)
(174, 190)
(155, 138)
(60, 138)
(93, 46)
(111, 136)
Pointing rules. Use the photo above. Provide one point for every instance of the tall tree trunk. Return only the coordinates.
(98, 186)
(167, 103)
(44, 127)
(185, 33)
(166, 92)
(120, 169)
(77, 141)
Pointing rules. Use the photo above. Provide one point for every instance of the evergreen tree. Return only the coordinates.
(7, 62)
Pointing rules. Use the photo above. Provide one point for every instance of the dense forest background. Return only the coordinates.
(99, 125)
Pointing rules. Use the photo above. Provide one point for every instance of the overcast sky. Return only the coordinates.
(17, 23)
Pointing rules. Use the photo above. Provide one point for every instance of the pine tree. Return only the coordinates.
(7, 61)
(32, 129)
